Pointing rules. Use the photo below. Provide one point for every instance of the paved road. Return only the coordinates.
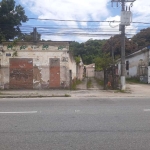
(75, 124)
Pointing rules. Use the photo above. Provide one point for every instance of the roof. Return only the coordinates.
(90, 65)
(32, 42)
(137, 52)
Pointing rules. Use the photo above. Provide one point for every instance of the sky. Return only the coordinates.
(100, 19)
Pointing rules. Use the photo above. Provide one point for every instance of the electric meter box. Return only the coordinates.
(126, 18)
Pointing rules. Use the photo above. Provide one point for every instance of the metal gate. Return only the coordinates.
(112, 77)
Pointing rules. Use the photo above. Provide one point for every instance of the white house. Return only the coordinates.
(137, 64)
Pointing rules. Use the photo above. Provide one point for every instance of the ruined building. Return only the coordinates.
(41, 65)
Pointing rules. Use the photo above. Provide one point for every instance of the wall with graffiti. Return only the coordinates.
(41, 46)
(31, 68)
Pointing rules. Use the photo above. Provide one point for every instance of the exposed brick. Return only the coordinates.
(21, 73)
(54, 73)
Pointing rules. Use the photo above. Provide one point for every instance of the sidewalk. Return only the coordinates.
(133, 90)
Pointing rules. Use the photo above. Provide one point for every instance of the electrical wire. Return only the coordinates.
(71, 30)
(83, 20)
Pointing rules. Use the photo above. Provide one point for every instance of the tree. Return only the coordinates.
(11, 17)
(142, 39)
(28, 37)
(88, 50)
(115, 44)
(103, 63)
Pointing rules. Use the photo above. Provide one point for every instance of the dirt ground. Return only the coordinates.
(131, 88)
(95, 90)
(94, 85)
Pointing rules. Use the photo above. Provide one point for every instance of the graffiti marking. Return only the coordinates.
(23, 47)
(45, 47)
(61, 47)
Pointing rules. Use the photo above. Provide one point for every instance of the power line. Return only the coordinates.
(84, 20)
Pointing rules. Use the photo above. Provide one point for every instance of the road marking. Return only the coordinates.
(77, 111)
(21, 112)
(146, 109)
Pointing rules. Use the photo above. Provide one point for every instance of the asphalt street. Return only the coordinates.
(75, 124)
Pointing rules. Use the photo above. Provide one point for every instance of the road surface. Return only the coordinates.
(75, 124)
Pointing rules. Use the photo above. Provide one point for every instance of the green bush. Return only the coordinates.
(133, 80)
(75, 83)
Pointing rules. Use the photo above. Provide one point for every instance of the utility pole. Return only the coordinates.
(113, 66)
(123, 80)
(125, 21)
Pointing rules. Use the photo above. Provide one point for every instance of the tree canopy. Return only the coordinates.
(92, 51)
(103, 62)
(11, 17)
(28, 37)
(114, 43)
(88, 50)
(137, 42)
(142, 39)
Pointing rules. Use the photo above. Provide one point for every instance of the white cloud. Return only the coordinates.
(55, 38)
(141, 7)
(110, 28)
(68, 9)
(86, 10)
(141, 11)
(113, 27)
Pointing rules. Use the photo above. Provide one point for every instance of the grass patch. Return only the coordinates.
(100, 82)
(75, 83)
(122, 91)
(134, 80)
(67, 95)
(89, 83)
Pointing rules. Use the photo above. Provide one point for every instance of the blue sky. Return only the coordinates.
(92, 10)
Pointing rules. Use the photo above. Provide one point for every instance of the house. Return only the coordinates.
(90, 70)
(40, 65)
(138, 65)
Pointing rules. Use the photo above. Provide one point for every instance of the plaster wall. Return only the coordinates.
(41, 63)
(135, 61)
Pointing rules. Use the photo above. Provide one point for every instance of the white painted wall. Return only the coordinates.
(134, 62)
(73, 67)
(90, 70)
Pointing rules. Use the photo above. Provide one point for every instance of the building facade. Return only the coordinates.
(137, 65)
(90, 70)
(41, 65)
